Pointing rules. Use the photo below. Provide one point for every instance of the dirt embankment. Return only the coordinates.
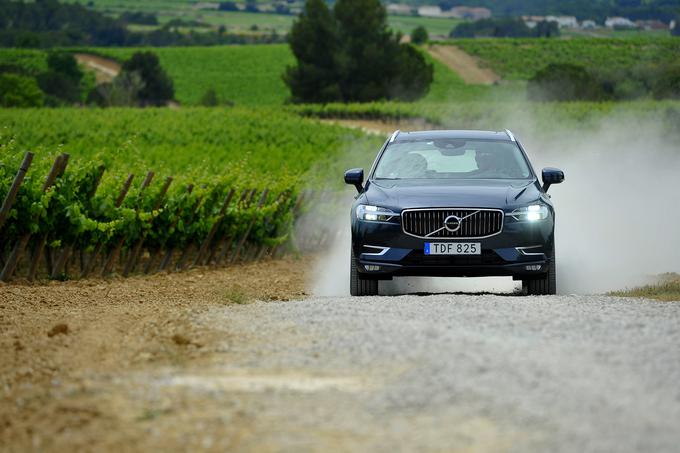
(105, 69)
(71, 353)
(464, 64)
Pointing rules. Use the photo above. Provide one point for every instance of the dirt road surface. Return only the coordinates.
(105, 69)
(184, 362)
(464, 64)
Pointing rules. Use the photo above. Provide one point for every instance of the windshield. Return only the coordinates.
(453, 159)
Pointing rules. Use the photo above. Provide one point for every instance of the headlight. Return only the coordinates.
(531, 213)
(374, 213)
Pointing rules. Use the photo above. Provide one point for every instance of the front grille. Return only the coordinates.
(474, 223)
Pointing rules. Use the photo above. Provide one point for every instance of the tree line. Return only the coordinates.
(598, 10)
(141, 82)
(505, 28)
(573, 82)
(49, 23)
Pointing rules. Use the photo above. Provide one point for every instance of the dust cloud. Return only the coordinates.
(618, 211)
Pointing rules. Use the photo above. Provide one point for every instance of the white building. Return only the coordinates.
(588, 24)
(563, 21)
(430, 11)
(399, 9)
(617, 21)
(531, 21)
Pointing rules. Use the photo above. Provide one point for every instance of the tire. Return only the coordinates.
(543, 286)
(360, 286)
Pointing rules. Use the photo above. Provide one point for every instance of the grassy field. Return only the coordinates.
(167, 10)
(519, 59)
(434, 26)
(26, 60)
(245, 75)
(667, 289)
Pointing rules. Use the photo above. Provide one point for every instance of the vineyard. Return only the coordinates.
(519, 59)
(244, 75)
(248, 75)
(130, 190)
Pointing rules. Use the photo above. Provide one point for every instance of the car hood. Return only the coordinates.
(479, 193)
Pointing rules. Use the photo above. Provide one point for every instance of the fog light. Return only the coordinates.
(533, 267)
(372, 268)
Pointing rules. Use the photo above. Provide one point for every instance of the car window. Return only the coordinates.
(453, 159)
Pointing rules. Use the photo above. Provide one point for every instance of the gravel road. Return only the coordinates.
(449, 373)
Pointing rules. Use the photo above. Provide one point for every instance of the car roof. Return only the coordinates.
(444, 134)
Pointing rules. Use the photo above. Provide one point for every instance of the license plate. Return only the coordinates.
(453, 248)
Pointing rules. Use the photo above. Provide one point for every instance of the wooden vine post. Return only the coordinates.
(57, 169)
(60, 266)
(134, 252)
(225, 242)
(240, 244)
(169, 251)
(97, 250)
(40, 242)
(213, 229)
(14, 189)
(113, 255)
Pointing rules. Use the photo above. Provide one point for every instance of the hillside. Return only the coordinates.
(519, 59)
(583, 9)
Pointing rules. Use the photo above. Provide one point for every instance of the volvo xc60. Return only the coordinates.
(453, 203)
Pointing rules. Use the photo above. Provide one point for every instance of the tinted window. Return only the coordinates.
(453, 159)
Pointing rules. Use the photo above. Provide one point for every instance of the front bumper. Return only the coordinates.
(521, 250)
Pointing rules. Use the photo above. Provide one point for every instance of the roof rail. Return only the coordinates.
(394, 135)
(512, 137)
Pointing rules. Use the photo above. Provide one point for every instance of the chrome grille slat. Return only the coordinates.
(482, 222)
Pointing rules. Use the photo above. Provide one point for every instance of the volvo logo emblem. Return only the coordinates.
(452, 223)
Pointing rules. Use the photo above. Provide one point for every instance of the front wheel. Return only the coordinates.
(360, 286)
(543, 286)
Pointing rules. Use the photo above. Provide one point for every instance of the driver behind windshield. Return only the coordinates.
(472, 159)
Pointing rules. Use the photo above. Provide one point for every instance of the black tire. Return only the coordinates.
(543, 286)
(360, 286)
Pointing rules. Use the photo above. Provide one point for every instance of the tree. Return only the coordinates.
(227, 6)
(545, 29)
(122, 91)
(158, 87)
(413, 82)
(564, 82)
(19, 91)
(64, 63)
(352, 55)
(419, 35)
(61, 82)
(314, 43)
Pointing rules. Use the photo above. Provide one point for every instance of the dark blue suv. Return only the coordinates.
(453, 203)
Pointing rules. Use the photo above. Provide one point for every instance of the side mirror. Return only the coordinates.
(355, 177)
(551, 176)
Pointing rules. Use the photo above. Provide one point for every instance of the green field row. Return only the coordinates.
(201, 142)
(243, 75)
(519, 59)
